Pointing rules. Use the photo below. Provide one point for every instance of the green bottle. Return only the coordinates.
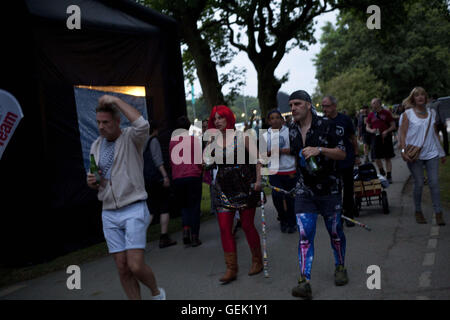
(313, 164)
(94, 169)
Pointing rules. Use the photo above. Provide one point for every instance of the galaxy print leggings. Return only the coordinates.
(307, 228)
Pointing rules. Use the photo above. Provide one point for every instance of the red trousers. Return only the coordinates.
(247, 217)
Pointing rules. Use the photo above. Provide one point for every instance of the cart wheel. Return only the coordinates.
(385, 203)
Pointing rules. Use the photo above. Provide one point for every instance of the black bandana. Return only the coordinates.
(301, 95)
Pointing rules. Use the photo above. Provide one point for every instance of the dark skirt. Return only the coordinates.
(382, 148)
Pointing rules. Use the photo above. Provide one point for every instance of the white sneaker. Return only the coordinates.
(161, 295)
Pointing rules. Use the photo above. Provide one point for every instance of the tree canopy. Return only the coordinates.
(410, 49)
(204, 37)
(214, 30)
(413, 51)
(353, 88)
(266, 30)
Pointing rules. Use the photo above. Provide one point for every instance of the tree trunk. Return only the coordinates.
(206, 68)
(268, 86)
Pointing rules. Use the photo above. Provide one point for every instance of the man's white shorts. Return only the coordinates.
(126, 228)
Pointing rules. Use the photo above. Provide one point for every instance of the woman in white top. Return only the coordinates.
(413, 130)
(283, 171)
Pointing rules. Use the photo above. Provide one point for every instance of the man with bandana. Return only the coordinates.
(314, 139)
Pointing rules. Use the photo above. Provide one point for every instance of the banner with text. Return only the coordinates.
(10, 116)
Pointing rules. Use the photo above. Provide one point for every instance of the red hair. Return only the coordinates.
(225, 112)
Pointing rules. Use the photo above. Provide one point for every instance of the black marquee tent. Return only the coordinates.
(46, 207)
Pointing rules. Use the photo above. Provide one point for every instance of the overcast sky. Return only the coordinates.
(302, 72)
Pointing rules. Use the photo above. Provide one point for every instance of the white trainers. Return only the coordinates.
(161, 295)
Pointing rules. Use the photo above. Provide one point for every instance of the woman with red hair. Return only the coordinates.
(237, 186)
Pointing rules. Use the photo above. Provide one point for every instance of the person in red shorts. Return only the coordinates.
(381, 123)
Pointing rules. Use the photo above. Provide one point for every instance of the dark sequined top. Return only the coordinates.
(234, 180)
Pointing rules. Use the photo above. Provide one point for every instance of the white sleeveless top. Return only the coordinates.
(416, 132)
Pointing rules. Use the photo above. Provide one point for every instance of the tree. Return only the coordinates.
(353, 88)
(272, 29)
(204, 37)
(411, 49)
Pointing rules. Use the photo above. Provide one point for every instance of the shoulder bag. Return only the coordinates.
(413, 152)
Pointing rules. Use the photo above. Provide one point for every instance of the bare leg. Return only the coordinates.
(366, 150)
(135, 260)
(127, 279)
(379, 165)
(388, 165)
(164, 222)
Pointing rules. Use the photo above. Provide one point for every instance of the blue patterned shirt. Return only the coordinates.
(106, 157)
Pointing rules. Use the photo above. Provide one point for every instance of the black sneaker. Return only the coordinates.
(302, 290)
(187, 236)
(292, 229)
(283, 228)
(340, 276)
(389, 177)
(165, 241)
(195, 241)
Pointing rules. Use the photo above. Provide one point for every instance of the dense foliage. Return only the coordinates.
(411, 49)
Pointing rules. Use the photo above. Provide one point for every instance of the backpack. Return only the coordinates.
(152, 174)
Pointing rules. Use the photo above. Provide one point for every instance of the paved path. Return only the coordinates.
(413, 261)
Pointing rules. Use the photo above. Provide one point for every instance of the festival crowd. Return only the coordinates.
(310, 161)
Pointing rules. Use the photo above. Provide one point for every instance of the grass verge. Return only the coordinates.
(444, 183)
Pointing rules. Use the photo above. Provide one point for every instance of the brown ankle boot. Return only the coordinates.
(257, 262)
(232, 267)
(439, 219)
(420, 218)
